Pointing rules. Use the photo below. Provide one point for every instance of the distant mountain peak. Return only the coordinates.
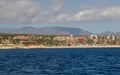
(27, 28)
(107, 33)
(55, 30)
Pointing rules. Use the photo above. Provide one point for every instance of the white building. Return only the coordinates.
(94, 37)
(111, 37)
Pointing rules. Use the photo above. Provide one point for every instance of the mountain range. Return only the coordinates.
(55, 30)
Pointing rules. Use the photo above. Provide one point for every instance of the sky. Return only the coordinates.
(93, 15)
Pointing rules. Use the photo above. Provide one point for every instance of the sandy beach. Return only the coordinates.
(82, 46)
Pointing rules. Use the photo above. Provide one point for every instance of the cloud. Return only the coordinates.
(28, 11)
(59, 18)
(103, 14)
(111, 13)
(83, 15)
(57, 5)
(18, 10)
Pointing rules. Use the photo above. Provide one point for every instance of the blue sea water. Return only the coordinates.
(73, 61)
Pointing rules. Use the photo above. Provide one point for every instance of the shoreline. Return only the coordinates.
(82, 46)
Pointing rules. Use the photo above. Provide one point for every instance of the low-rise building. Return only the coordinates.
(110, 37)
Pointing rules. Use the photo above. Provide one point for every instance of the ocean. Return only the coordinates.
(69, 61)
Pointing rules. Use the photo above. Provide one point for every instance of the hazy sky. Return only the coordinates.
(93, 15)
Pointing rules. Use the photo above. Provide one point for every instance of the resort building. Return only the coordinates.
(110, 37)
(94, 37)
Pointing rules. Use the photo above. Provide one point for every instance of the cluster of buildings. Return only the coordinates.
(60, 40)
(89, 40)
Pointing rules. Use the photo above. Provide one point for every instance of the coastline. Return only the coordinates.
(82, 46)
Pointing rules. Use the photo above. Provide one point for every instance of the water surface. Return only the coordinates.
(74, 61)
